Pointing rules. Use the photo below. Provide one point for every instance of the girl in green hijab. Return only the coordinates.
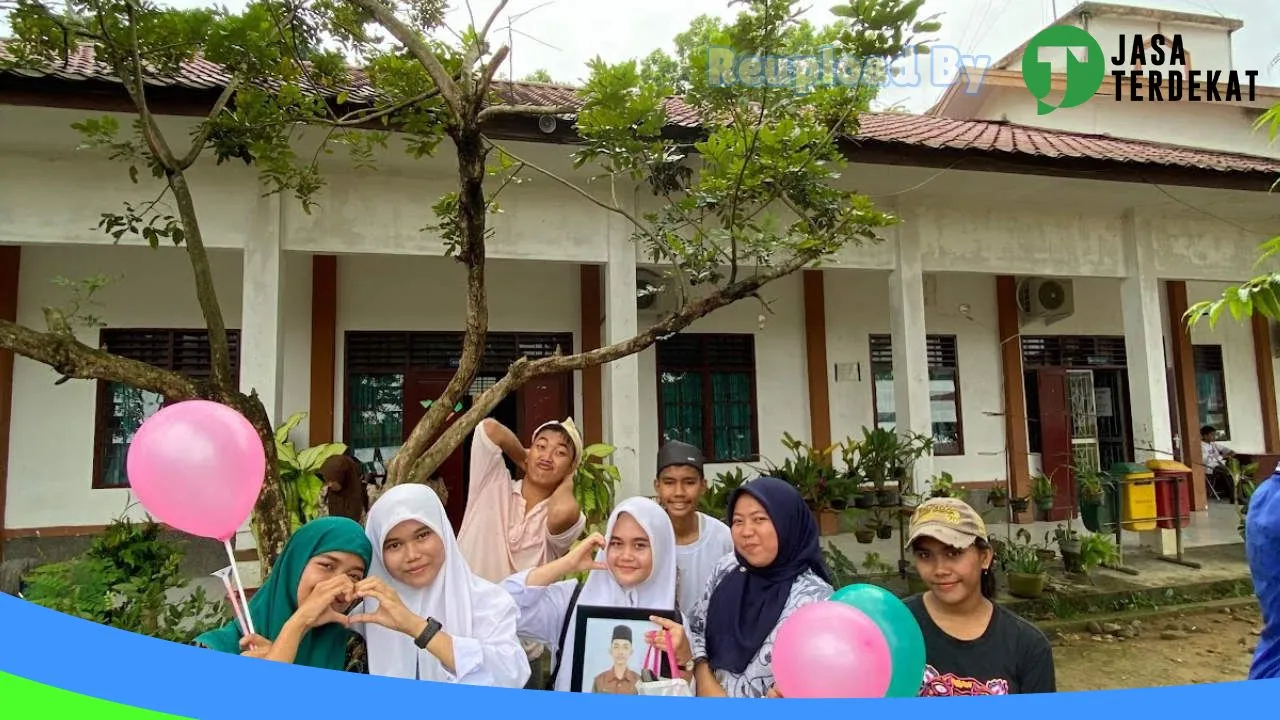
(299, 611)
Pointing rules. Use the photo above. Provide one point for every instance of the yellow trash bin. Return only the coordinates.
(1137, 496)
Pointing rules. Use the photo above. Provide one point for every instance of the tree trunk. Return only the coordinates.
(270, 522)
(415, 462)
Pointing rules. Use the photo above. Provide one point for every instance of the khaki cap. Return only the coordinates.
(949, 521)
(568, 427)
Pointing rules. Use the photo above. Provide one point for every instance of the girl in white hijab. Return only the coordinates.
(635, 568)
(424, 614)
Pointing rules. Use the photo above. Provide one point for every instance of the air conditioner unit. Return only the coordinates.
(1046, 299)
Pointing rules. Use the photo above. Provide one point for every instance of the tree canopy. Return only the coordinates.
(755, 196)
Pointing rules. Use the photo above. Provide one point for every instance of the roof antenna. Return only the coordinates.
(511, 71)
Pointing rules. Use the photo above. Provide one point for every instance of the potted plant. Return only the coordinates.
(875, 566)
(1019, 504)
(865, 497)
(1042, 492)
(943, 485)
(1097, 549)
(884, 529)
(998, 496)
(1024, 568)
(809, 470)
(864, 535)
(1068, 540)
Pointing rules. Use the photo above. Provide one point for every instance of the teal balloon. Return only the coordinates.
(894, 618)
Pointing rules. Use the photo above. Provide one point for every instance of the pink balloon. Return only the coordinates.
(197, 466)
(831, 650)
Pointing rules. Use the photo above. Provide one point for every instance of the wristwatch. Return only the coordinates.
(429, 632)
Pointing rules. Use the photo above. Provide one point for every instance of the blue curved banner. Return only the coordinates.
(54, 665)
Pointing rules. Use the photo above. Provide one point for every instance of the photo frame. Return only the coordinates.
(607, 639)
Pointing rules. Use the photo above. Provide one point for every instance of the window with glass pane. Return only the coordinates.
(944, 390)
(122, 408)
(129, 407)
(706, 394)
(1211, 389)
(375, 419)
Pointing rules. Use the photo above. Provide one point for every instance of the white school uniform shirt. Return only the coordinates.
(543, 609)
(697, 560)
(479, 616)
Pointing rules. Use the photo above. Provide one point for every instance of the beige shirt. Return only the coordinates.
(500, 534)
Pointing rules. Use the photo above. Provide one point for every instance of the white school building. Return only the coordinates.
(1039, 257)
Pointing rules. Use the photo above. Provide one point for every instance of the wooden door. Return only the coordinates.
(542, 399)
(1055, 438)
(429, 385)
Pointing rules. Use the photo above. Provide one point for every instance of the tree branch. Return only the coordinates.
(594, 200)
(495, 111)
(405, 34)
(523, 369)
(206, 293)
(135, 85)
(471, 215)
(493, 16)
(197, 144)
(60, 350)
(486, 79)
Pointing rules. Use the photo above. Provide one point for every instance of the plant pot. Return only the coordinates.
(1020, 505)
(998, 501)
(1072, 562)
(884, 532)
(864, 536)
(1024, 585)
(1047, 555)
(886, 498)
(839, 504)
(1044, 504)
(828, 523)
(1069, 546)
(864, 501)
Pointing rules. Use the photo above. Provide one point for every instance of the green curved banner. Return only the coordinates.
(34, 701)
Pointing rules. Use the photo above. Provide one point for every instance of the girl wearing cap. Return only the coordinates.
(424, 615)
(973, 646)
(634, 568)
(776, 567)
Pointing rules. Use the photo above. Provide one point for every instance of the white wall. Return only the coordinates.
(424, 293)
(959, 304)
(52, 438)
(1244, 406)
(782, 396)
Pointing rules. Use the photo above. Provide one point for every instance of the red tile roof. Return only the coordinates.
(900, 129)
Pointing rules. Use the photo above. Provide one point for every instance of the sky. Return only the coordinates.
(561, 36)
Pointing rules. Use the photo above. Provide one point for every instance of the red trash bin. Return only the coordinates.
(1168, 472)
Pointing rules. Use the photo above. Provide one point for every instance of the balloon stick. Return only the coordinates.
(235, 571)
(225, 576)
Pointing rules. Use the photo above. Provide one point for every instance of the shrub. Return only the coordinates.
(126, 579)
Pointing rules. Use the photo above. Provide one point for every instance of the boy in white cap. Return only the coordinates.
(701, 540)
(513, 525)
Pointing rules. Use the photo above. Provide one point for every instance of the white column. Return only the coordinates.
(621, 378)
(262, 333)
(910, 354)
(1144, 348)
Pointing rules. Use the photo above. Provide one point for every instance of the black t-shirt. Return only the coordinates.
(1013, 657)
